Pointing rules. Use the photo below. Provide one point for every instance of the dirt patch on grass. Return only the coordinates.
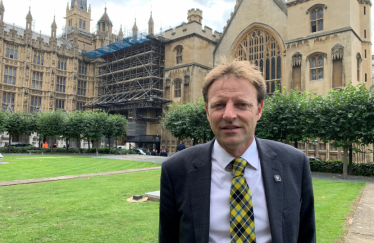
(4, 163)
(350, 216)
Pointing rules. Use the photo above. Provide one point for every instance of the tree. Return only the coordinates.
(120, 126)
(342, 117)
(95, 123)
(51, 124)
(74, 127)
(109, 129)
(17, 123)
(188, 121)
(284, 117)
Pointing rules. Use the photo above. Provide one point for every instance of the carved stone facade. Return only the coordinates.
(321, 48)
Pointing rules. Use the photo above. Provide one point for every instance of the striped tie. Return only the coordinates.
(242, 220)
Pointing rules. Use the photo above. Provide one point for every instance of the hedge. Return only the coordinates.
(336, 166)
(16, 150)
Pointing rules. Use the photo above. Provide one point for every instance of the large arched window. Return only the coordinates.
(261, 48)
(316, 16)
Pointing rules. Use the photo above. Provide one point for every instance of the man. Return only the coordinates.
(236, 188)
(163, 153)
(180, 146)
(153, 152)
(148, 152)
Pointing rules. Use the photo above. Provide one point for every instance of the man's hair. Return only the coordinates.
(239, 70)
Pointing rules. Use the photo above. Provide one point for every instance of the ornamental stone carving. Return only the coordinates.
(167, 83)
(187, 79)
(296, 59)
(337, 52)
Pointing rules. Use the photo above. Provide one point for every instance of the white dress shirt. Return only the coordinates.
(219, 228)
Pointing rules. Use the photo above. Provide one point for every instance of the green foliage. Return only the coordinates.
(188, 121)
(284, 117)
(51, 124)
(336, 166)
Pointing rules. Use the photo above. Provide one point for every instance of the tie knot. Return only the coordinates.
(238, 166)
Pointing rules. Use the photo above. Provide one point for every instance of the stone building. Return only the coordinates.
(307, 45)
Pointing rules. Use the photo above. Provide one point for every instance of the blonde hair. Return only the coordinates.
(239, 70)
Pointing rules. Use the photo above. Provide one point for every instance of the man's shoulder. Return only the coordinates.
(278, 147)
(187, 156)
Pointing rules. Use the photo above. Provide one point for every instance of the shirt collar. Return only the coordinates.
(223, 158)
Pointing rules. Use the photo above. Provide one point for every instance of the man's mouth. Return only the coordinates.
(230, 127)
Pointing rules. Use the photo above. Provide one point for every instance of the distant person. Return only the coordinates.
(148, 152)
(164, 153)
(180, 147)
(153, 153)
(45, 145)
(54, 145)
(64, 146)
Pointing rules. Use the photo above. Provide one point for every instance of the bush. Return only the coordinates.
(336, 167)
(63, 150)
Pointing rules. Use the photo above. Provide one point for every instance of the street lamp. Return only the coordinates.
(315, 142)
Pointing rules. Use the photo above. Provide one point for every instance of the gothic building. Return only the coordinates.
(307, 45)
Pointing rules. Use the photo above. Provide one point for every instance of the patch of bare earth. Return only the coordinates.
(350, 216)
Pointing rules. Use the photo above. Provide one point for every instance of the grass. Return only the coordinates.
(95, 209)
(40, 166)
(332, 204)
(80, 210)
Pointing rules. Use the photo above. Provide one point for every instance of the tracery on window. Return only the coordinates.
(177, 88)
(11, 52)
(260, 47)
(38, 58)
(317, 19)
(179, 54)
(316, 67)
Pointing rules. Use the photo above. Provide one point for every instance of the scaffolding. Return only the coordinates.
(129, 78)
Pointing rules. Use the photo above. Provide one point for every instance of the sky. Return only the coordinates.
(166, 13)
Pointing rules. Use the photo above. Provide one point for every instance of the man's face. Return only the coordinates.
(233, 112)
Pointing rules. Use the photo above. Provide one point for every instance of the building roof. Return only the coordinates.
(105, 18)
(21, 32)
(119, 45)
(82, 4)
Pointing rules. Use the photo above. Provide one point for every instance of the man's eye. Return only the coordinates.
(217, 105)
(243, 105)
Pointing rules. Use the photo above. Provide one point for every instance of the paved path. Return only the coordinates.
(58, 178)
(362, 227)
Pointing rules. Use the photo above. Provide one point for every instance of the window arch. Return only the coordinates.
(316, 17)
(317, 63)
(359, 60)
(261, 48)
(177, 88)
(179, 54)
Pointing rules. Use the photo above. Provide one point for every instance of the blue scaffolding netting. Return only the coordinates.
(119, 45)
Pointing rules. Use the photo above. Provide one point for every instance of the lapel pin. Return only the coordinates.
(277, 178)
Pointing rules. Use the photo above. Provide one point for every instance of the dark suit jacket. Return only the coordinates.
(185, 194)
(180, 147)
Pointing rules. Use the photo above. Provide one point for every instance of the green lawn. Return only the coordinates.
(332, 201)
(40, 166)
(95, 209)
(80, 210)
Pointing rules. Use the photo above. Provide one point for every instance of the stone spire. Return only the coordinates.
(29, 20)
(151, 26)
(81, 4)
(54, 28)
(135, 29)
(120, 34)
(2, 9)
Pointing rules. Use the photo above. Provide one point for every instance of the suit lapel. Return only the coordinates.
(199, 179)
(271, 166)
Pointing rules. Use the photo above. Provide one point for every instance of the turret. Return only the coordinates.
(120, 34)
(54, 28)
(29, 20)
(135, 29)
(151, 26)
(2, 9)
(195, 15)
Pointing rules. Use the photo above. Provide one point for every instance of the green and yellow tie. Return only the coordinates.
(242, 220)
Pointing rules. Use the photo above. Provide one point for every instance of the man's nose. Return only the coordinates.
(229, 113)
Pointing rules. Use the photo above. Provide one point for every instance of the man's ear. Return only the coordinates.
(260, 108)
(207, 111)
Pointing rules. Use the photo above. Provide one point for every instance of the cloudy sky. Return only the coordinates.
(166, 13)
